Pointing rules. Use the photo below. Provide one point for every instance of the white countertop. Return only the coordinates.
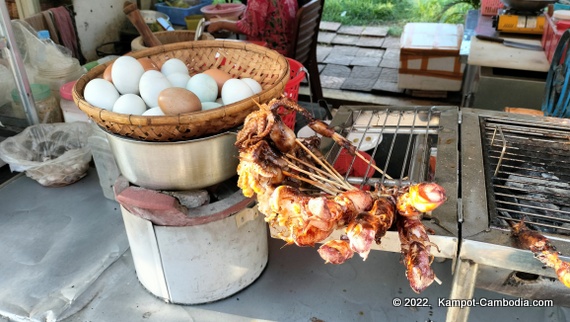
(490, 54)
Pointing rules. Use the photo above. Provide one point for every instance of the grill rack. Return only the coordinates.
(401, 126)
(531, 177)
(417, 144)
(488, 256)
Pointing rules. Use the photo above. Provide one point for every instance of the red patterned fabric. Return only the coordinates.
(270, 21)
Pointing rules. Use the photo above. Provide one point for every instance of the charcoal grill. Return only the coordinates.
(411, 145)
(513, 167)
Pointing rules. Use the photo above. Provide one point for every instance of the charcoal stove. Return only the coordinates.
(409, 145)
(513, 167)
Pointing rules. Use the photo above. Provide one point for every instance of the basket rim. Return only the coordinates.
(205, 115)
(296, 66)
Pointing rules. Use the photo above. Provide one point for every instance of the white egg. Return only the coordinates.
(155, 111)
(178, 79)
(151, 84)
(173, 65)
(253, 84)
(210, 105)
(204, 86)
(126, 73)
(129, 104)
(235, 90)
(101, 93)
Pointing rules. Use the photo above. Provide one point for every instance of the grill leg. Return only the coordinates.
(463, 288)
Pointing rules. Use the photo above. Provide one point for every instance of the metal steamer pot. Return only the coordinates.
(527, 5)
(180, 165)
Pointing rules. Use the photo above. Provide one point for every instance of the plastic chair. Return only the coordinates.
(304, 43)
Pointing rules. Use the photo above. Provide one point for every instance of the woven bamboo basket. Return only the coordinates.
(239, 59)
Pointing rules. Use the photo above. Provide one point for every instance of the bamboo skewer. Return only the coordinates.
(437, 280)
(315, 176)
(357, 153)
(312, 182)
(294, 158)
(318, 178)
(329, 167)
(334, 173)
(342, 184)
(343, 142)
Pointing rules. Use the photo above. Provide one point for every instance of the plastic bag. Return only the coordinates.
(34, 51)
(55, 154)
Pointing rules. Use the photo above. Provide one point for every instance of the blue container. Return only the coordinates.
(560, 6)
(177, 15)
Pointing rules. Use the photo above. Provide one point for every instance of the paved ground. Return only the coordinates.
(358, 58)
(361, 63)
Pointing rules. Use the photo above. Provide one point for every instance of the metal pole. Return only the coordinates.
(17, 66)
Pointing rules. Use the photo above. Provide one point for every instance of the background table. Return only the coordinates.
(498, 76)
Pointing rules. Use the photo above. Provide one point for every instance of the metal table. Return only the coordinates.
(65, 257)
(498, 76)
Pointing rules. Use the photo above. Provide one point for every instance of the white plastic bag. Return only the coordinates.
(54, 154)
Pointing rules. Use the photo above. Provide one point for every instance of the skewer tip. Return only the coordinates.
(437, 280)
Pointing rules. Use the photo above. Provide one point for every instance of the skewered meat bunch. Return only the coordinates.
(542, 249)
(305, 199)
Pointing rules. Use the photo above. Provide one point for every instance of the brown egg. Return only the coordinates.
(219, 76)
(107, 73)
(177, 100)
(148, 64)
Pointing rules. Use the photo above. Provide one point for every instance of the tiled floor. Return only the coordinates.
(360, 64)
(358, 58)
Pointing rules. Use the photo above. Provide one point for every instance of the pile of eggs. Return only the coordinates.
(140, 87)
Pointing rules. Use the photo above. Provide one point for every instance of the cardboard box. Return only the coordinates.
(429, 57)
(491, 7)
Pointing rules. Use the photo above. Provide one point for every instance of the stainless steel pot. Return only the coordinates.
(527, 5)
(181, 165)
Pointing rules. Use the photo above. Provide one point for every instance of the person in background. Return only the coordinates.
(270, 21)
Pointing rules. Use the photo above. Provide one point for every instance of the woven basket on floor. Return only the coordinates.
(239, 59)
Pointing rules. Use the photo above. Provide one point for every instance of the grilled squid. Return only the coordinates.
(370, 226)
(414, 240)
(416, 253)
(260, 167)
(310, 219)
(304, 199)
(420, 198)
(542, 249)
(336, 251)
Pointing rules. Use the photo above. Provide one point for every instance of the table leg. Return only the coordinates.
(469, 85)
(462, 289)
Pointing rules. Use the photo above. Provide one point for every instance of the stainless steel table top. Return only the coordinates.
(65, 257)
(54, 243)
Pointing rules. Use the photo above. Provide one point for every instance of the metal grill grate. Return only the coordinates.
(528, 166)
(401, 141)
(409, 145)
